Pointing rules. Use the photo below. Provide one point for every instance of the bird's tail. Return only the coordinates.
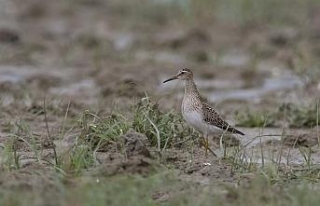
(235, 131)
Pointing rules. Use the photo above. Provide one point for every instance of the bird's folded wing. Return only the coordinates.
(213, 118)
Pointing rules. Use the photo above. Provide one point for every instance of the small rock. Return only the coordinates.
(283, 37)
(9, 36)
(302, 140)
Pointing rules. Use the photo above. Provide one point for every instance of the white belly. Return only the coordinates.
(195, 120)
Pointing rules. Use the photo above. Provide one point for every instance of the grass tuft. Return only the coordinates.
(301, 115)
(162, 129)
(255, 119)
(295, 116)
(101, 132)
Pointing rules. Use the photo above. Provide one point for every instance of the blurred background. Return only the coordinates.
(104, 52)
(65, 65)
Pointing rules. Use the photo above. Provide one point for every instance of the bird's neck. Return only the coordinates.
(191, 88)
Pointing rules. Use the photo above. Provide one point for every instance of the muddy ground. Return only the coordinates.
(61, 58)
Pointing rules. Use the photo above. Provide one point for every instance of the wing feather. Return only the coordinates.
(213, 118)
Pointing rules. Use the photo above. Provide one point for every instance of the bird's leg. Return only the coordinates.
(205, 142)
(206, 145)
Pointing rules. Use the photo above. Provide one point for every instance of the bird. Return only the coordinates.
(198, 114)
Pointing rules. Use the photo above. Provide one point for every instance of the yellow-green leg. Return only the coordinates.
(206, 146)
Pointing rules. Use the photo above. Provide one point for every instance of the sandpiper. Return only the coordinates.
(198, 114)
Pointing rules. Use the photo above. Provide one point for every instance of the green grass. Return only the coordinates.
(239, 12)
(167, 187)
(294, 115)
(273, 12)
(98, 131)
(301, 115)
(72, 175)
(72, 182)
(161, 128)
(255, 119)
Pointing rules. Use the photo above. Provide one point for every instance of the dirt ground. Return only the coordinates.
(61, 58)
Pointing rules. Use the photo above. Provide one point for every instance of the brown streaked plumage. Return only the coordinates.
(198, 114)
(212, 117)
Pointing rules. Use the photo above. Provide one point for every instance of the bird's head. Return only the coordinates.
(183, 74)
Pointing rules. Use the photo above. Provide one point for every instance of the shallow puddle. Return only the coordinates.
(263, 146)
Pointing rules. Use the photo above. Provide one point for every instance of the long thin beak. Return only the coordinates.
(172, 78)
